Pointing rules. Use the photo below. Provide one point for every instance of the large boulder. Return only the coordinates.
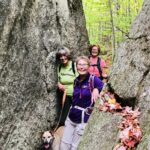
(30, 32)
(130, 78)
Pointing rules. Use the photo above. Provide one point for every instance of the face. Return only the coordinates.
(82, 67)
(94, 51)
(63, 59)
(47, 139)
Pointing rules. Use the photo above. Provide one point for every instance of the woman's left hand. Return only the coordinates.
(95, 95)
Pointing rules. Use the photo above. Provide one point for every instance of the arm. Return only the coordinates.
(61, 86)
(98, 85)
(95, 94)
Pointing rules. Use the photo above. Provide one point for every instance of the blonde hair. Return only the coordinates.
(85, 58)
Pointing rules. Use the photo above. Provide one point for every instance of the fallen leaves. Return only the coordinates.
(130, 133)
(108, 102)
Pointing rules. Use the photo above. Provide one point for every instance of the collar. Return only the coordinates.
(86, 78)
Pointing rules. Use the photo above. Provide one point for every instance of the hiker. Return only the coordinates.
(66, 75)
(86, 91)
(97, 64)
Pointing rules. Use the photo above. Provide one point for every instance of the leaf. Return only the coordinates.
(131, 144)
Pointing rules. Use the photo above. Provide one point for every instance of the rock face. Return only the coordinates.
(130, 78)
(30, 32)
(101, 132)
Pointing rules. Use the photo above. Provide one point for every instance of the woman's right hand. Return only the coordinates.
(61, 87)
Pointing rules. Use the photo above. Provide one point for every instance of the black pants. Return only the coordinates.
(63, 111)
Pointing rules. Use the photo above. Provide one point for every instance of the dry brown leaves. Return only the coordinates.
(130, 133)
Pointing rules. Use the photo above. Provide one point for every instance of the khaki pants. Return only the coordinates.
(72, 135)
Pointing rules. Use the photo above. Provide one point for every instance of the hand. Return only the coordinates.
(95, 95)
(104, 75)
(61, 87)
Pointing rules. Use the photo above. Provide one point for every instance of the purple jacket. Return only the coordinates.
(82, 98)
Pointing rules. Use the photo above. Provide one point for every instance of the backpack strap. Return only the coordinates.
(99, 66)
(73, 67)
(91, 83)
(91, 86)
(59, 67)
(58, 70)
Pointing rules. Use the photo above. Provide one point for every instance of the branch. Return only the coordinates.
(126, 33)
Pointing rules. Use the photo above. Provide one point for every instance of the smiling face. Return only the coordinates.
(82, 67)
(94, 51)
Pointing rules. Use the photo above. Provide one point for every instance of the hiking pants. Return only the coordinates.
(72, 135)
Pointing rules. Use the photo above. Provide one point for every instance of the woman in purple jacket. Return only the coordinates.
(86, 91)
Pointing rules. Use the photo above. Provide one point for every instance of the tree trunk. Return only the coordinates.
(113, 30)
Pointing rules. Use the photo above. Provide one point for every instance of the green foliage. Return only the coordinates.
(99, 19)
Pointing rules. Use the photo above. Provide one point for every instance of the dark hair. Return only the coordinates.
(63, 51)
(91, 47)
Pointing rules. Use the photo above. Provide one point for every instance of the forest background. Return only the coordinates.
(108, 22)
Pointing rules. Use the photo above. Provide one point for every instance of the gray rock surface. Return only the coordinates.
(30, 32)
(130, 74)
(101, 132)
(130, 78)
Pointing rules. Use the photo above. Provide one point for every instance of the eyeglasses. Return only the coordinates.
(82, 65)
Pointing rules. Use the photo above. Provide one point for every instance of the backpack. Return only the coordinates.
(98, 65)
(72, 67)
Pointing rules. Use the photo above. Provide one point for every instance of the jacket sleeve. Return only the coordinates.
(98, 84)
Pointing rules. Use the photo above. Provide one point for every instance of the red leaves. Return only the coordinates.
(108, 102)
(130, 133)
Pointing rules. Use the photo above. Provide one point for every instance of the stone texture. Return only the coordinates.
(130, 74)
(130, 78)
(30, 32)
(101, 132)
